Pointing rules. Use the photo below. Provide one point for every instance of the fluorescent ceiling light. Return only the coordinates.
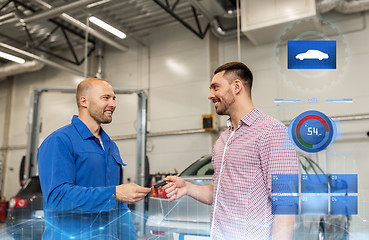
(12, 58)
(97, 3)
(107, 27)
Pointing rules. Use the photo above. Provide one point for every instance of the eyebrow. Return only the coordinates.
(108, 95)
(213, 85)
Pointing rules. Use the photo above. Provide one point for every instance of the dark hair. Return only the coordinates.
(237, 70)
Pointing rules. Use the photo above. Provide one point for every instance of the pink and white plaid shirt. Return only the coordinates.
(243, 161)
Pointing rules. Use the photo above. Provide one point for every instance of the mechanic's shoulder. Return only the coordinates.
(63, 133)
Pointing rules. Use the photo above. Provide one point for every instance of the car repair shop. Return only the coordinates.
(309, 69)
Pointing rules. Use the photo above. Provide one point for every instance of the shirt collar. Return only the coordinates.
(248, 119)
(83, 130)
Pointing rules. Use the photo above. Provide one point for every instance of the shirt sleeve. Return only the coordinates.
(57, 172)
(278, 155)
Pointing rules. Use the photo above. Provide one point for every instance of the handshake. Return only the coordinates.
(174, 187)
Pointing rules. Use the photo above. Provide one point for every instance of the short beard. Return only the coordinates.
(97, 116)
(227, 102)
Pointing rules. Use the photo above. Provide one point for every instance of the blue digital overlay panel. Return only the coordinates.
(344, 183)
(312, 54)
(312, 131)
(344, 205)
(285, 183)
(285, 205)
(314, 205)
(314, 183)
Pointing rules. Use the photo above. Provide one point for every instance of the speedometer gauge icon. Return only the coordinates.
(312, 131)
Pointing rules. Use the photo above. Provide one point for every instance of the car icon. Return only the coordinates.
(312, 54)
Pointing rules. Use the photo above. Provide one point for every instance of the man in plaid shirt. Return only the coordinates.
(244, 158)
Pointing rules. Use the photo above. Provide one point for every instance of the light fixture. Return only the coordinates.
(97, 3)
(12, 58)
(107, 27)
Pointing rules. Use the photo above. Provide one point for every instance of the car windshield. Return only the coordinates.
(201, 167)
(309, 166)
(32, 186)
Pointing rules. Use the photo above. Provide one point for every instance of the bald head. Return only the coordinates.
(85, 86)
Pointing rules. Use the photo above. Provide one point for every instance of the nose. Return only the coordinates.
(211, 95)
(112, 103)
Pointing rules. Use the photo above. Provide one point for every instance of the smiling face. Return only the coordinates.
(221, 94)
(101, 100)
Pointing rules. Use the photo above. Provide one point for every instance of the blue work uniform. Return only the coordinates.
(78, 178)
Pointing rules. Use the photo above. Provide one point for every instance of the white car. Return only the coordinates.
(312, 54)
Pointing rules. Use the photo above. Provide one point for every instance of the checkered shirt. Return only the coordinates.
(242, 186)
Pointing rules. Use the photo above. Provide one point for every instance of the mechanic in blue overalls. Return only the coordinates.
(80, 170)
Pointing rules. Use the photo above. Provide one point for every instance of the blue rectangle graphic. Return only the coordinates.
(285, 183)
(343, 183)
(344, 205)
(285, 205)
(314, 205)
(314, 183)
(312, 54)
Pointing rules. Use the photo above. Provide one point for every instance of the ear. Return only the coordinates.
(83, 102)
(237, 84)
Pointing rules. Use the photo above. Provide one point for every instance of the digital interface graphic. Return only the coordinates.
(343, 205)
(312, 54)
(314, 183)
(285, 205)
(312, 131)
(317, 195)
(314, 205)
(344, 183)
(285, 183)
(312, 74)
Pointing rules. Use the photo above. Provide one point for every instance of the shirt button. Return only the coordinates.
(106, 140)
(111, 208)
(113, 195)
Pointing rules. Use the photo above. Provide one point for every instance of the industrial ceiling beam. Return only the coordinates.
(48, 13)
(170, 9)
(217, 30)
(83, 26)
(46, 61)
(56, 11)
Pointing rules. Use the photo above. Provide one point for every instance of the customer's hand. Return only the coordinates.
(176, 187)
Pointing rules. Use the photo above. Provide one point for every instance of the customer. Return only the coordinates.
(244, 158)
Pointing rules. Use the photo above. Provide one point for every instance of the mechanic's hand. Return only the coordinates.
(131, 192)
(176, 187)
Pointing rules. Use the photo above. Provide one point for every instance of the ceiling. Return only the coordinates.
(52, 27)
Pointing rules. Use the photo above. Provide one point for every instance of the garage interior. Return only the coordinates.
(168, 53)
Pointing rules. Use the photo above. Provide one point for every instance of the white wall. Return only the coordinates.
(3, 97)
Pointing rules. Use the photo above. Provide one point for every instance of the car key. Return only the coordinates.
(160, 184)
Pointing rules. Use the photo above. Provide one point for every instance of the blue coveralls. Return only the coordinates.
(78, 178)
